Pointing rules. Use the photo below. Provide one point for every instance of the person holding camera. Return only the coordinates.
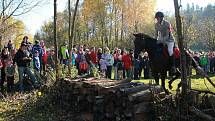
(23, 59)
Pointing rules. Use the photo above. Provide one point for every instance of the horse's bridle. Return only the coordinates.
(144, 43)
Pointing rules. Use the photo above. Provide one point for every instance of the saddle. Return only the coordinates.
(163, 50)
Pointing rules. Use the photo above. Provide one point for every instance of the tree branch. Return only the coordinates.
(13, 11)
(20, 8)
(5, 7)
(26, 10)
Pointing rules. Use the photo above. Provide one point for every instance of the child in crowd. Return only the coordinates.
(51, 59)
(82, 62)
(120, 67)
(36, 65)
(10, 71)
(74, 56)
(137, 67)
(146, 65)
(4, 59)
(36, 61)
(103, 67)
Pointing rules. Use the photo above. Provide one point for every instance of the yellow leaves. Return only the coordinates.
(140, 11)
(39, 93)
(92, 8)
(133, 10)
(88, 9)
(19, 107)
(14, 30)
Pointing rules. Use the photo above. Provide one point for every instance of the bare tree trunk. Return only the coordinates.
(3, 14)
(106, 40)
(72, 31)
(69, 30)
(135, 26)
(183, 105)
(55, 39)
(181, 47)
(111, 25)
(79, 36)
(69, 35)
(102, 38)
(117, 36)
(73, 24)
(110, 34)
(87, 36)
(121, 36)
(115, 28)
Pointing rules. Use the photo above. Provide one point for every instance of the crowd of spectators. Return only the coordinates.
(32, 60)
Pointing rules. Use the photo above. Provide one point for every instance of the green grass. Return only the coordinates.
(196, 83)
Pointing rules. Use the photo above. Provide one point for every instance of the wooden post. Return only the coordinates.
(55, 39)
(181, 47)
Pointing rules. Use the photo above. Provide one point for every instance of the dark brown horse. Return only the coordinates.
(159, 63)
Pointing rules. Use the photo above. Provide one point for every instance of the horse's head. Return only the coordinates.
(143, 42)
(139, 43)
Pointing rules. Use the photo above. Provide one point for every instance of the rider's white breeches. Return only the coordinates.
(170, 46)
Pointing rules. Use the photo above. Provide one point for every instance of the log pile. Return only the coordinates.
(107, 100)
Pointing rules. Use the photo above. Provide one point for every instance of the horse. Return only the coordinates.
(159, 63)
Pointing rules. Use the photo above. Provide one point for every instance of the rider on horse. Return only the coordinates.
(164, 35)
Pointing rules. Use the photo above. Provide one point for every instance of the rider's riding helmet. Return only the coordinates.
(25, 38)
(159, 15)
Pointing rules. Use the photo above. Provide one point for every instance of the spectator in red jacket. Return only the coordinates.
(4, 58)
(1, 86)
(44, 57)
(99, 56)
(93, 56)
(118, 65)
(126, 59)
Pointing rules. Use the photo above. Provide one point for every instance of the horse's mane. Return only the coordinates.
(149, 42)
(145, 36)
(150, 38)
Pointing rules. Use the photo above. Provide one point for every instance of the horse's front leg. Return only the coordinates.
(156, 77)
(177, 75)
(163, 77)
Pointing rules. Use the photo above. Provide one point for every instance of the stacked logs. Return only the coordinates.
(108, 100)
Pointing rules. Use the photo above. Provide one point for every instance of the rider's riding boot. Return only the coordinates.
(172, 64)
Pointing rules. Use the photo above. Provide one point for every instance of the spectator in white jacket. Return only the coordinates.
(109, 61)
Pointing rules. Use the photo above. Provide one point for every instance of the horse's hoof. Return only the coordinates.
(167, 92)
(178, 90)
(170, 87)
